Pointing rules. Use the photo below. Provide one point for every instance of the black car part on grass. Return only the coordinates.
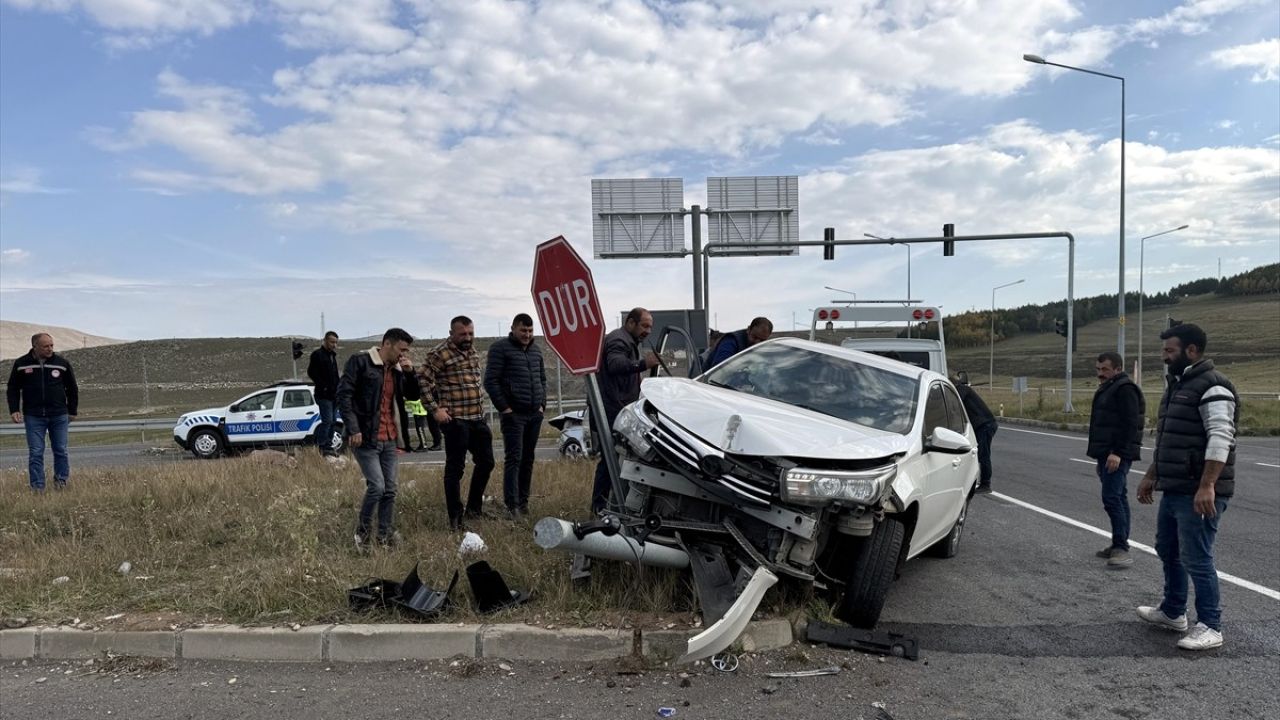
(412, 596)
(491, 591)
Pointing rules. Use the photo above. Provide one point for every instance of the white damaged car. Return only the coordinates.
(792, 460)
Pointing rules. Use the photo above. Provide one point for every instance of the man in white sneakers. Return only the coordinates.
(1194, 469)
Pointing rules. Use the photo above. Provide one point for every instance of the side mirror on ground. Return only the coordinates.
(947, 441)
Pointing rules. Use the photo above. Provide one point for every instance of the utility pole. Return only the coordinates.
(146, 387)
(322, 328)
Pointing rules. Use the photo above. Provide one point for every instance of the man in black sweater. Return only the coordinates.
(516, 381)
(1115, 441)
(984, 427)
(323, 371)
(43, 396)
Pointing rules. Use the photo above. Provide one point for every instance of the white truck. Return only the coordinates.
(921, 352)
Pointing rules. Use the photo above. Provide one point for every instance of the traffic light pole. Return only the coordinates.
(713, 249)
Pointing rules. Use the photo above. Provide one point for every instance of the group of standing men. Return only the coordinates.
(450, 385)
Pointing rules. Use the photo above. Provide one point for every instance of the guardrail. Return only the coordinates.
(139, 425)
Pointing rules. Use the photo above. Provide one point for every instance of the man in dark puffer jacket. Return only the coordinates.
(1115, 441)
(516, 381)
(1194, 468)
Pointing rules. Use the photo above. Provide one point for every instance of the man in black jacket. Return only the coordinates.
(323, 371)
(619, 377)
(735, 342)
(43, 396)
(371, 394)
(516, 381)
(1194, 469)
(984, 428)
(1115, 441)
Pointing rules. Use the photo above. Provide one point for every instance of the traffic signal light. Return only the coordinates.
(948, 246)
(829, 246)
(1173, 322)
(297, 349)
(1060, 327)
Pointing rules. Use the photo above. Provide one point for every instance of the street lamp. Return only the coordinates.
(1142, 258)
(991, 361)
(905, 245)
(1120, 310)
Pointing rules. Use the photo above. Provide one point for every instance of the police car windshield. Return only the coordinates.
(823, 383)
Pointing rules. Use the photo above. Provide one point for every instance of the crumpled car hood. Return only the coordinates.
(747, 425)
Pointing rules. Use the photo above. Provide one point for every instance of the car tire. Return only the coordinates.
(573, 450)
(949, 546)
(207, 444)
(876, 561)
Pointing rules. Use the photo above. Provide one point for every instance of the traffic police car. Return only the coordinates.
(285, 413)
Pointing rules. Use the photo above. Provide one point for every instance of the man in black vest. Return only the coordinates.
(1194, 468)
(1115, 441)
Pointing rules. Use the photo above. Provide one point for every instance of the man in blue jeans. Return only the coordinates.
(43, 396)
(1194, 468)
(1115, 441)
(371, 393)
(323, 371)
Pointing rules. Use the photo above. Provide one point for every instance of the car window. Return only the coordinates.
(935, 410)
(956, 418)
(828, 384)
(258, 403)
(296, 399)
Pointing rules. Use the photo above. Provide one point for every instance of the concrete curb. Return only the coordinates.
(370, 643)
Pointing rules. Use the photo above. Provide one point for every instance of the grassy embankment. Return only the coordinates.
(239, 541)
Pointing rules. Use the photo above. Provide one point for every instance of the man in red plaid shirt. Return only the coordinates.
(452, 384)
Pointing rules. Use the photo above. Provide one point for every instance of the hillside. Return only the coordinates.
(15, 338)
(1244, 340)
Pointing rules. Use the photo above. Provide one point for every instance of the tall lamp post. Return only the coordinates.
(991, 361)
(1120, 310)
(1142, 261)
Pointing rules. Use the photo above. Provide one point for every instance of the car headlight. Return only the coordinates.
(819, 487)
(632, 425)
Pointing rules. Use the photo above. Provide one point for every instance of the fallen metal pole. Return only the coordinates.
(556, 534)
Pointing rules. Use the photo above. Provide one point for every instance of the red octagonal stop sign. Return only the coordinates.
(568, 308)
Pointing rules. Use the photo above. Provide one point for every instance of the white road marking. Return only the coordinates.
(1095, 462)
(1225, 577)
(1267, 465)
(1033, 432)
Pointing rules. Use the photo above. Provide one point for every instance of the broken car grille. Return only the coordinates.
(701, 461)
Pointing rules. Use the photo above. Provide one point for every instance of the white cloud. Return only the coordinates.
(27, 181)
(151, 16)
(14, 256)
(1263, 57)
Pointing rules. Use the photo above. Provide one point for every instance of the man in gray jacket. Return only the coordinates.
(516, 381)
(619, 376)
(1194, 468)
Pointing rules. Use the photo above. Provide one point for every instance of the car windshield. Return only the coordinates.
(823, 383)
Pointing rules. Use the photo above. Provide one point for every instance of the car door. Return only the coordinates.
(251, 419)
(297, 415)
(964, 466)
(936, 472)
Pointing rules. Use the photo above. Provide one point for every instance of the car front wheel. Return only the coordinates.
(206, 444)
(875, 562)
(573, 450)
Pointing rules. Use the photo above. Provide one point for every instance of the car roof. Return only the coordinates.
(862, 358)
(289, 383)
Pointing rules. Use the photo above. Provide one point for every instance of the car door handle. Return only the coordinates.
(264, 417)
(310, 413)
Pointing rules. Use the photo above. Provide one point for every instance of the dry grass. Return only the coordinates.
(237, 541)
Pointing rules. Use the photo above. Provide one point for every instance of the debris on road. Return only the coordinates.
(833, 670)
(61, 579)
(870, 641)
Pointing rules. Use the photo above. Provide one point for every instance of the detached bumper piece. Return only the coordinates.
(491, 591)
(412, 596)
(868, 641)
(726, 630)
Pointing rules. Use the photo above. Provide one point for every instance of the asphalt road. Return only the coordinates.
(1024, 623)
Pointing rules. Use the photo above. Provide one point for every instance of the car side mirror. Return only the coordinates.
(947, 441)
(234, 408)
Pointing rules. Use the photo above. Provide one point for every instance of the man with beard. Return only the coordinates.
(516, 381)
(451, 384)
(323, 371)
(619, 376)
(1194, 468)
(1115, 441)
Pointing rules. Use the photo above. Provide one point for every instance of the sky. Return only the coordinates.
(197, 168)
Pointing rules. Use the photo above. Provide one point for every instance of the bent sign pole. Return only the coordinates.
(564, 295)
